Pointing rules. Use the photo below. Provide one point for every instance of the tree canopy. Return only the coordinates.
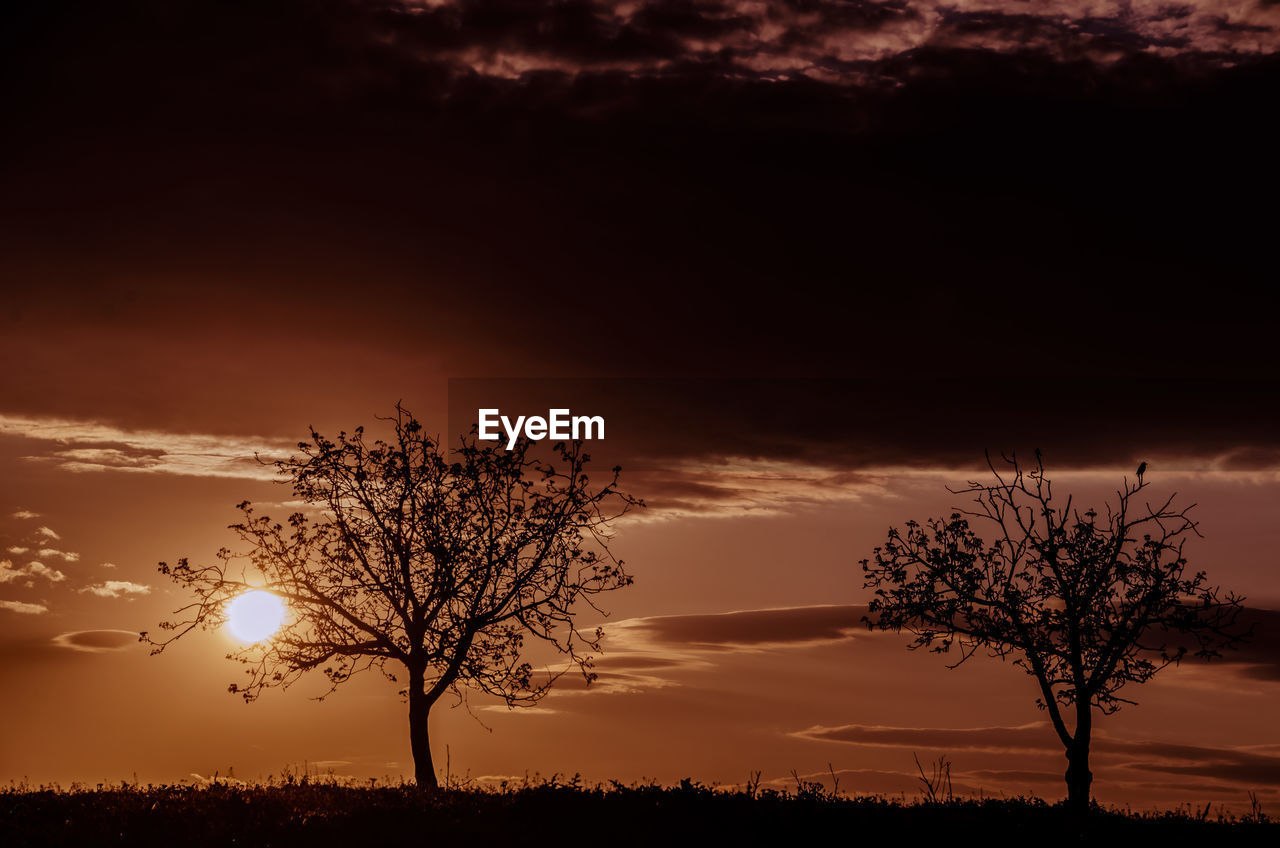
(1086, 602)
(414, 561)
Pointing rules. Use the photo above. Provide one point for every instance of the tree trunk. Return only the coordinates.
(1079, 778)
(419, 736)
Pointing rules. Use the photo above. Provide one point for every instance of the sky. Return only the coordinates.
(811, 259)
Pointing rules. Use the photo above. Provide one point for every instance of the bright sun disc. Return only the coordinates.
(255, 615)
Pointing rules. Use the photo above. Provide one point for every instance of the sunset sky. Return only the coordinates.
(811, 259)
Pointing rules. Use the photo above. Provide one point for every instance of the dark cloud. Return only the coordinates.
(1035, 737)
(745, 629)
(1235, 765)
(506, 38)
(1226, 764)
(687, 20)
(777, 40)
(1260, 653)
(1199, 788)
(1058, 35)
(713, 189)
(1257, 657)
(860, 424)
(1225, 25)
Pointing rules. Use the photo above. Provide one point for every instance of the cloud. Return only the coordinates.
(107, 565)
(1245, 772)
(656, 642)
(16, 549)
(649, 653)
(1036, 736)
(740, 630)
(26, 513)
(1256, 658)
(731, 486)
(39, 569)
(724, 68)
(1244, 766)
(523, 711)
(728, 446)
(1237, 765)
(96, 641)
(47, 532)
(489, 53)
(9, 574)
(1259, 655)
(826, 40)
(628, 675)
(84, 446)
(617, 662)
(65, 556)
(117, 589)
(25, 608)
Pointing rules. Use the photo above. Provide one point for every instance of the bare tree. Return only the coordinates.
(1085, 603)
(409, 560)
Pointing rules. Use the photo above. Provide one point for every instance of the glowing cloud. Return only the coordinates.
(24, 608)
(91, 446)
(117, 589)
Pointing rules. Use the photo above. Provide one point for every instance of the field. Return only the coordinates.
(555, 812)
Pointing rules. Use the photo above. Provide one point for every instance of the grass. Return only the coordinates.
(545, 812)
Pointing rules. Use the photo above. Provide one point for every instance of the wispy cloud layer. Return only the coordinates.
(80, 446)
(23, 607)
(737, 485)
(117, 589)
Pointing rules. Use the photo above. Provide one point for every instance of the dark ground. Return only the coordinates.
(554, 813)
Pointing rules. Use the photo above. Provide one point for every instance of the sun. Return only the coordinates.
(254, 616)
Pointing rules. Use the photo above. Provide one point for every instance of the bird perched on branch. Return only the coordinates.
(1142, 469)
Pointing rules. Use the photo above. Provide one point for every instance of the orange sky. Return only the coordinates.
(738, 649)
(809, 264)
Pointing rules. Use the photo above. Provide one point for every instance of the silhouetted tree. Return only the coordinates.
(1085, 603)
(410, 560)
